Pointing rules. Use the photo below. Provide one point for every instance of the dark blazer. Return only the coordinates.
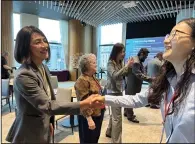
(135, 77)
(35, 110)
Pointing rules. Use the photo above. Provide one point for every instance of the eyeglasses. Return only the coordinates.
(173, 33)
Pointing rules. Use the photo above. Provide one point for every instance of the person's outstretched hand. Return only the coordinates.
(93, 101)
(97, 100)
(130, 62)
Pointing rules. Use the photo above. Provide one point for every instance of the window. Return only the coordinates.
(109, 35)
(51, 29)
(16, 24)
(57, 61)
(16, 29)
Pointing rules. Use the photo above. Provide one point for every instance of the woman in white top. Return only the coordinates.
(174, 88)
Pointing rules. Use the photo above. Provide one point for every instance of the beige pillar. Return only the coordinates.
(7, 38)
(75, 44)
(87, 47)
(80, 42)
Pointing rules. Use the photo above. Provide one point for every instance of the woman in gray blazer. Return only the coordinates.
(116, 71)
(35, 99)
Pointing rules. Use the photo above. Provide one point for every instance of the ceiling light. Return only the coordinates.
(130, 4)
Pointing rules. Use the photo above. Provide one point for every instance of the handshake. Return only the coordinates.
(93, 101)
(96, 100)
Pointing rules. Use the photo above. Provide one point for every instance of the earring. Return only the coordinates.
(193, 48)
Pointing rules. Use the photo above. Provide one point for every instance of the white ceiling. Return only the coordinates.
(97, 13)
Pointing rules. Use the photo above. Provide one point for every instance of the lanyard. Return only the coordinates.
(167, 106)
(166, 110)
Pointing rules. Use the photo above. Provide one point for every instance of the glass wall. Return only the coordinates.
(16, 28)
(109, 35)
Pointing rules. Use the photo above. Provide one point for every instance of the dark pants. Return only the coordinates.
(129, 112)
(85, 134)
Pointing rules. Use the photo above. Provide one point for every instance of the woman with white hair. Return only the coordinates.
(90, 121)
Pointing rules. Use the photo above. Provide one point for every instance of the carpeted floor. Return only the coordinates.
(147, 131)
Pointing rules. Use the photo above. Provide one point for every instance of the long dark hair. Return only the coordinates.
(161, 85)
(117, 48)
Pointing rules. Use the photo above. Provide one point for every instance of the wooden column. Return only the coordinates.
(80, 42)
(7, 38)
(76, 33)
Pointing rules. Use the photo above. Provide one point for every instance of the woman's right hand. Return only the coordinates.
(130, 62)
(91, 123)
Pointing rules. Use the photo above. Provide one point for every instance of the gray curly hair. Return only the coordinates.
(85, 61)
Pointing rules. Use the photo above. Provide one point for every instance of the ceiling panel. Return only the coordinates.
(97, 13)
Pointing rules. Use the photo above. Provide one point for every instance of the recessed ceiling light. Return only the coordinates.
(130, 4)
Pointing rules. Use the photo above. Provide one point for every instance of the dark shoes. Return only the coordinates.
(133, 119)
(154, 106)
(109, 136)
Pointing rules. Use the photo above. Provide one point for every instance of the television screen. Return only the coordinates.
(154, 45)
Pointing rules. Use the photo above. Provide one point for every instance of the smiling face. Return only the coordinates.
(38, 47)
(179, 44)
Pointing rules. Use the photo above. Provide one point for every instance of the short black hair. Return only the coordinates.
(143, 50)
(117, 48)
(22, 45)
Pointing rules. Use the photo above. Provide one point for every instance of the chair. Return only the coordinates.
(103, 83)
(5, 95)
(54, 82)
(63, 94)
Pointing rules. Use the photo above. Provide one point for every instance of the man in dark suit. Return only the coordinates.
(134, 80)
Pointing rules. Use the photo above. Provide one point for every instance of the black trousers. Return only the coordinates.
(85, 134)
(129, 112)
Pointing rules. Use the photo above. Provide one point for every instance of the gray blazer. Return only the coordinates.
(115, 76)
(154, 67)
(135, 77)
(35, 108)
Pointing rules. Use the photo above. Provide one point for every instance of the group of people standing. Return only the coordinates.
(173, 89)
